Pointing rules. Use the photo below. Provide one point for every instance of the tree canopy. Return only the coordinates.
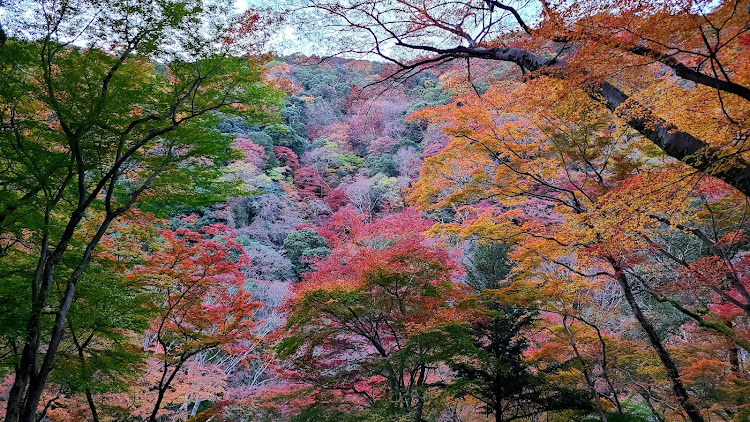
(455, 212)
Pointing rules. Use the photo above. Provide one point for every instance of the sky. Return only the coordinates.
(287, 42)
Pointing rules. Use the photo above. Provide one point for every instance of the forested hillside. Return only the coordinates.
(468, 211)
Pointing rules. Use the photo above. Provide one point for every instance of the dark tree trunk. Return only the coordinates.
(674, 142)
(92, 405)
(3, 36)
(419, 410)
(673, 373)
(157, 405)
(31, 376)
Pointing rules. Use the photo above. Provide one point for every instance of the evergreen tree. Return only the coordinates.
(487, 356)
(488, 264)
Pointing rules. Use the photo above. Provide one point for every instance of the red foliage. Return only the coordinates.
(243, 27)
(254, 153)
(287, 157)
(310, 183)
(203, 303)
(206, 304)
(383, 285)
(382, 145)
(354, 99)
(336, 199)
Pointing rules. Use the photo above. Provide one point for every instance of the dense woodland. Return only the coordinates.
(469, 211)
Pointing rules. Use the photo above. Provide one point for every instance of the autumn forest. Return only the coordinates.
(375, 210)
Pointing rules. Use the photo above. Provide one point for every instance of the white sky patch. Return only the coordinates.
(241, 5)
(289, 34)
(286, 42)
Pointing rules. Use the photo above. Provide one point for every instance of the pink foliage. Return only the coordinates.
(381, 146)
(434, 140)
(408, 162)
(254, 153)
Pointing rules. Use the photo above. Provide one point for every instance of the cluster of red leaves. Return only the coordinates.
(205, 301)
(287, 157)
(310, 183)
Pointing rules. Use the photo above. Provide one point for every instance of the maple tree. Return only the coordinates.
(584, 203)
(616, 52)
(99, 130)
(183, 297)
(336, 199)
(311, 184)
(105, 320)
(360, 325)
(206, 305)
(287, 157)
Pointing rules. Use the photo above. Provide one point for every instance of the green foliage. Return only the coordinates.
(413, 136)
(14, 296)
(318, 413)
(488, 265)
(349, 163)
(263, 139)
(88, 134)
(624, 417)
(107, 311)
(303, 245)
(383, 164)
(430, 94)
(235, 125)
(139, 96)
(285, 136)
(487, 357)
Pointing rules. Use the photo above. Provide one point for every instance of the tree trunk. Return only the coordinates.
(674, 142)
(647, 399)
(30, 381)
(38, 381)
(157, 405)
(194, 411)
(673, 373)
(498, 407)
(419, 410)
(30, 353)
(3, 36)
(26, 369)
(166, 382)
(23, 374)
(586, 374)
(92, 405)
